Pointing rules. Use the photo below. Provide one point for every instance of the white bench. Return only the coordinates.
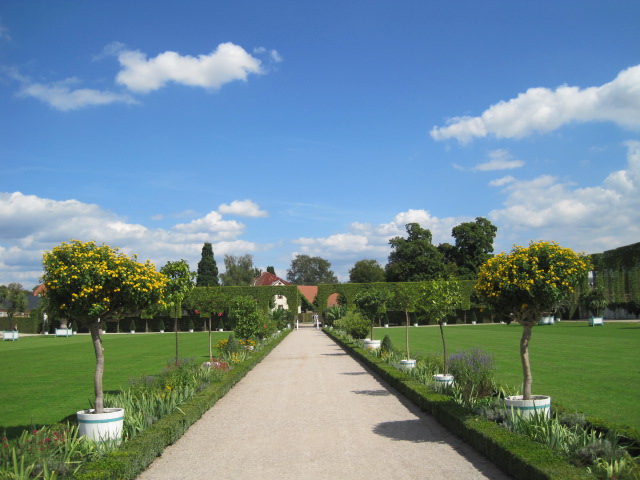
(593, 321)
(10, 335)
(63, 332)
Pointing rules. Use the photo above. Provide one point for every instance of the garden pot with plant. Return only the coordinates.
(405, 298)
(132, 326)
(595, 300)
(372, 302)
(524, 284)
(91, 283)
(438, 299)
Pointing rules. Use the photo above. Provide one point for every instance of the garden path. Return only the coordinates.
(310, 411)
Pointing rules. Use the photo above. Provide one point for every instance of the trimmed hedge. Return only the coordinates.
(514, 454)
(134, 456)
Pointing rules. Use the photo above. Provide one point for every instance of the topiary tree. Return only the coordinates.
(91, 283)
(373, 304)
(405, 297)
(180, 283)
(207, 275)
(438, 299)
(245, 316)
(527, 283)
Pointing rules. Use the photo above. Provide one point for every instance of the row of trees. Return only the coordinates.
(13, 299)
(412, 259)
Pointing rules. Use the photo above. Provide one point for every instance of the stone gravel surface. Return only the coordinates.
(310, 411)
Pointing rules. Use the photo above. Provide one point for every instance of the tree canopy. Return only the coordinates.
(239, 270)
(14, 299)
(207, 268)
(306, 270)
(474, 246)
(366, 271)
(415, 258)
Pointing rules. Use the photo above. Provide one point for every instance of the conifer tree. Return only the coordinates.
(207, 268)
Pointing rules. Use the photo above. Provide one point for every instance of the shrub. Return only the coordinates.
(244, 314)
(386, 345)
(473, 371)
(354, 324)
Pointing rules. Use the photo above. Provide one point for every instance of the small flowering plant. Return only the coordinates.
(527, 283)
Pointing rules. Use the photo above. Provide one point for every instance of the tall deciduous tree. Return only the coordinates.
(14, 299)
(366, 271)
(89, 283)
(306, 270)
(207, 268)
(239, 270)
(474, 246)
(414, 258)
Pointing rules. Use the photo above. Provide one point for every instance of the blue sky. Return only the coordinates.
(322, 128)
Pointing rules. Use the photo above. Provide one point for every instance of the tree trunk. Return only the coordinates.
(97, 378)
(175, 329)
(210, 350)
(524, 357)
(406, 313)
(444, 348)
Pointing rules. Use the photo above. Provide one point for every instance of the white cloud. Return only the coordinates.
(544, 110)
(29, 225)
(499, 159)
(593, 219)
(62, 96)
(499, 182)
(243, 208)
(228, 62)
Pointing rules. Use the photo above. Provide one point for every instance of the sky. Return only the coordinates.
(319, 128)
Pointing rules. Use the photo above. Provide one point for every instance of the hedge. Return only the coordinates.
(514, 454)
(134, 456)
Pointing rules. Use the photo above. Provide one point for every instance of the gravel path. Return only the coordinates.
(310, 411)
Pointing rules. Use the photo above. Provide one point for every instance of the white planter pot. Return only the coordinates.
(473, 323)
(371, 344)
(386, 325)
(519, 408)
(593, 321)
(407, 364)
(101, 426)
(191, 330)
(133, 331)
(161, 331)
(415, 324)
(442, 381)
(220, 330)
(547, 320)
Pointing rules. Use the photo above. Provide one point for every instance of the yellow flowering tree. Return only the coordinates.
(527, 283)
(91, 283)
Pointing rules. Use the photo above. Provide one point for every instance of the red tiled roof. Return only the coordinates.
(267, 279)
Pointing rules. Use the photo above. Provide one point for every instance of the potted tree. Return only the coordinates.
(372, 302)
(180, 283)
(161, 325)
(438, 299)
(132, 326)
(405, 298)
(526, 283)
(595, 300)
(91, 283)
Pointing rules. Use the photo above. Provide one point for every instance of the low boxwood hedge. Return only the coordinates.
(137, 454)
(514, 454)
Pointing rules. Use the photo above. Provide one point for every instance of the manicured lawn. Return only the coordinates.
(593, 369)
(44, 379)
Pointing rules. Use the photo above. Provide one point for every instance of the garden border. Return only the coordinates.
(514, 454)
(134, 456)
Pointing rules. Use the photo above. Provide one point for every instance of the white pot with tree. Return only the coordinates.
(524, 284)
(91, 283)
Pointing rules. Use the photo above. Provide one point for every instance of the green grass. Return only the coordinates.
(595, 370)
(45, 379)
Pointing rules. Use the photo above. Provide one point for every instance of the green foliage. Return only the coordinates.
(13, 298)
(415, 258)
(306, 270)
(372, 302)
(239, 270)
(366, 271)
(132, 325)
(386, 345)
(474, 372)
(282, 317)
(354, 324)
(474, 246)
(207, 268)
(217, 299)
(595, 301)
(245, 318)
